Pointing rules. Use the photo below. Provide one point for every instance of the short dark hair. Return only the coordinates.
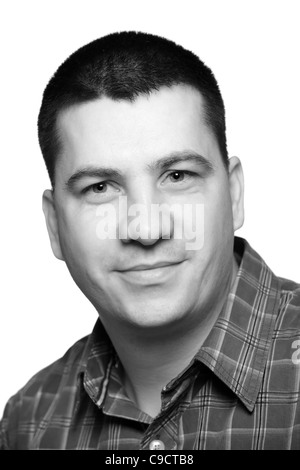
(123, 66)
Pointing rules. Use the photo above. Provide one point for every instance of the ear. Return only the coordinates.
(236, 185)
(51, 222)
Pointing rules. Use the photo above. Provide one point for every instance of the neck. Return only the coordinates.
(152, 358)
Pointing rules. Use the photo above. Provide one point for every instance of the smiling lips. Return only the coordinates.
(150, 274)
(147, 267)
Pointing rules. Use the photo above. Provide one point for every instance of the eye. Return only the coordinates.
(181, 180)
(99, 187)
(102, 191)
(177, 175)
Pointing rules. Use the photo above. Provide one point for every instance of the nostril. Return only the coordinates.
(145, 223)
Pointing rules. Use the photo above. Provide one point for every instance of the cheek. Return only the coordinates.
(78, 237)
(218, 221)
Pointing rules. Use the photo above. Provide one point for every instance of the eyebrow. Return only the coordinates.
(161, 164)
(181, 157)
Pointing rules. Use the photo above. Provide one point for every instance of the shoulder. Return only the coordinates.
(33, 402)
(51, 376)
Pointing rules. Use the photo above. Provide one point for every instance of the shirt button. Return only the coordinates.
(156, 445)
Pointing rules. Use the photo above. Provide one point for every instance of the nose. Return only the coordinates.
(146, 217)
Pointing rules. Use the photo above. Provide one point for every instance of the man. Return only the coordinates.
(196, 345)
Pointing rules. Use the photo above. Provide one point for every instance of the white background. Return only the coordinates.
(253, 49)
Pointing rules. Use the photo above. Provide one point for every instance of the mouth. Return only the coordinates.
(147, 267)
(150, 274)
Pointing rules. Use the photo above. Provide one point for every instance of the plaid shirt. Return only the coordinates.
(241, 391)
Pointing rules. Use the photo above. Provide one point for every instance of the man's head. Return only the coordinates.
(123, 66)
(154, 146)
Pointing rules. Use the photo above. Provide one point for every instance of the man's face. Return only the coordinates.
(151, 151)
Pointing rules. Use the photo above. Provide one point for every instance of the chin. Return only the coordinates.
(153, 315)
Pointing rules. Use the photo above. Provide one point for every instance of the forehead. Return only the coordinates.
(106, 131)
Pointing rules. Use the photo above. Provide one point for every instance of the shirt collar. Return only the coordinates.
(237, 347)
(99, 358)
